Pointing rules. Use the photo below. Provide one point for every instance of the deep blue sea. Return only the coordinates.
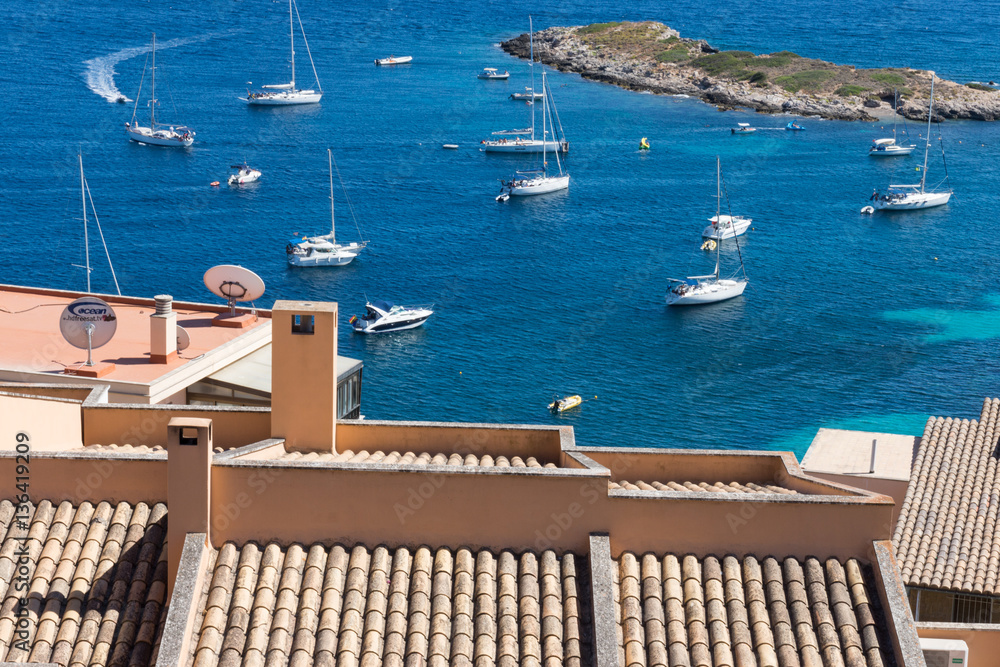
(871, 323)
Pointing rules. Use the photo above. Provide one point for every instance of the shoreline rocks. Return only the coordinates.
(652, 57)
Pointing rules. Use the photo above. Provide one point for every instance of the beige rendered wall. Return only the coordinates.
(441, 438)
(525, 509)
(983, 640)
(52, 424)
(77, 479)
(147, 425)
(894, 488)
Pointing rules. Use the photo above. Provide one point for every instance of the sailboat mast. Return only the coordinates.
(927, 146)
(895, 112)
(291, 34)
(333, 235)
(86, 241)
(544, 107)
(547, 105)
(718, 212)
(531, 65)
(152, 100)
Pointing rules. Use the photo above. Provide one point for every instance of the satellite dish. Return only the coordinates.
(234, 283)
(183, 339)
(88, 323)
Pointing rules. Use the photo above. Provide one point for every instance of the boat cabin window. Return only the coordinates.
(303, 324)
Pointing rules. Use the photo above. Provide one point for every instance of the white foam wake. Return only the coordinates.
(100, 72)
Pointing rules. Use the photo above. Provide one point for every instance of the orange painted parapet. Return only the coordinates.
(79, 475)
(138, 424)
(52, 424)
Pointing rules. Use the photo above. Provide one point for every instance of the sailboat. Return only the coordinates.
(911, 197)
(286, 94)
(524, 141)
(536, 181)
(158, 134)
(724, 226)
(695, 290)
(888, 147)
(84, 196)
(323, 250)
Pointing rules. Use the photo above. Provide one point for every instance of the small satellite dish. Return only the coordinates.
(234, 283)
(183, 339)
(88, 323)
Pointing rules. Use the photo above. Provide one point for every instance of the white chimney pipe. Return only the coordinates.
(163, 331)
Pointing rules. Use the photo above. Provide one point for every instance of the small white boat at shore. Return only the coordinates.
(394, 60)
(244, 174)
(491, 74)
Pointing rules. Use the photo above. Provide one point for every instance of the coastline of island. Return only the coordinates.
(650, 56)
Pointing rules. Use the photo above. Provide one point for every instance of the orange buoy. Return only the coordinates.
(214, 184)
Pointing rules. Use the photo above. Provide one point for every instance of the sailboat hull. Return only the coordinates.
(526, 146)
(914, 201)
(283, 99)
(706, 292)
(891, 151)
(160, 138)
(340, 258)
(541, 186)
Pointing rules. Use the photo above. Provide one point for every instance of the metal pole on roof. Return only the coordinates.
(874, 447)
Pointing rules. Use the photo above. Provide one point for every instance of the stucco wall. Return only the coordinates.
(983, 640)
(58, 477)
(51, 423)
(147, 425)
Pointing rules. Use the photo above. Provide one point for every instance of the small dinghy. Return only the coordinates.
(743, 128)
(393, 60)
(565, 403)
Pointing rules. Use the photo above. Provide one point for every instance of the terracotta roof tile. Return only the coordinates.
(947, 535)
(730, 612)
(412, 458)
(395, 607)
(97, 577)
(700, 487)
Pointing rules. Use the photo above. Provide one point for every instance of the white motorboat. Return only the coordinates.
(726, 227)
(157, 134)
(394, 60)
(528, 95)
(244, 174)
(889, 147)
(524, 141)
(911, 197)
(696, 290)
(286, 94)
(537, 181)
(743, 128)
(385, 316)
(324, 250)
(491, 74)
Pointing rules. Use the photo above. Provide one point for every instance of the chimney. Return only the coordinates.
(163, 331)
(304, 375)
(189, 486)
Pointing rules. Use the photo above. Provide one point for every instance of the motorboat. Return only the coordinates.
(565, 403)
(286, 94)
(793, 126)
(527, 96)
(697, 290)
(157, 134)
(323, 250)
(491, 74)
(394, 60)
(743, 128)
(384, 316)
(888, 148)
(244, 174)
(537, 181)
(725, 227)
(121, 99)
(911, 197)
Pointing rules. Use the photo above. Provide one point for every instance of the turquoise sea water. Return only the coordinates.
(849, 322)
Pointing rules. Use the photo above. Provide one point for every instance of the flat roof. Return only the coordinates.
(252, 373)
(29, 328)
(850, 453)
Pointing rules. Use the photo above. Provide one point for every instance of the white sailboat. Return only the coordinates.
(888, 147)
(724, 226)
(521, 141)
(696, 290)
(536, 181)
(157, 134)
(916, 196)
(286, 94)
(323, 250)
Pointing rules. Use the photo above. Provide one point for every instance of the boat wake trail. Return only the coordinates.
(100, 72)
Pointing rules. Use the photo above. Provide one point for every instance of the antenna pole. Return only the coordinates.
(86, 241)
(89, 328)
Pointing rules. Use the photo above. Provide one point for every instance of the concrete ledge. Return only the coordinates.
(237, 452)
(602, 582)
(178, 629)
(896, 607)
